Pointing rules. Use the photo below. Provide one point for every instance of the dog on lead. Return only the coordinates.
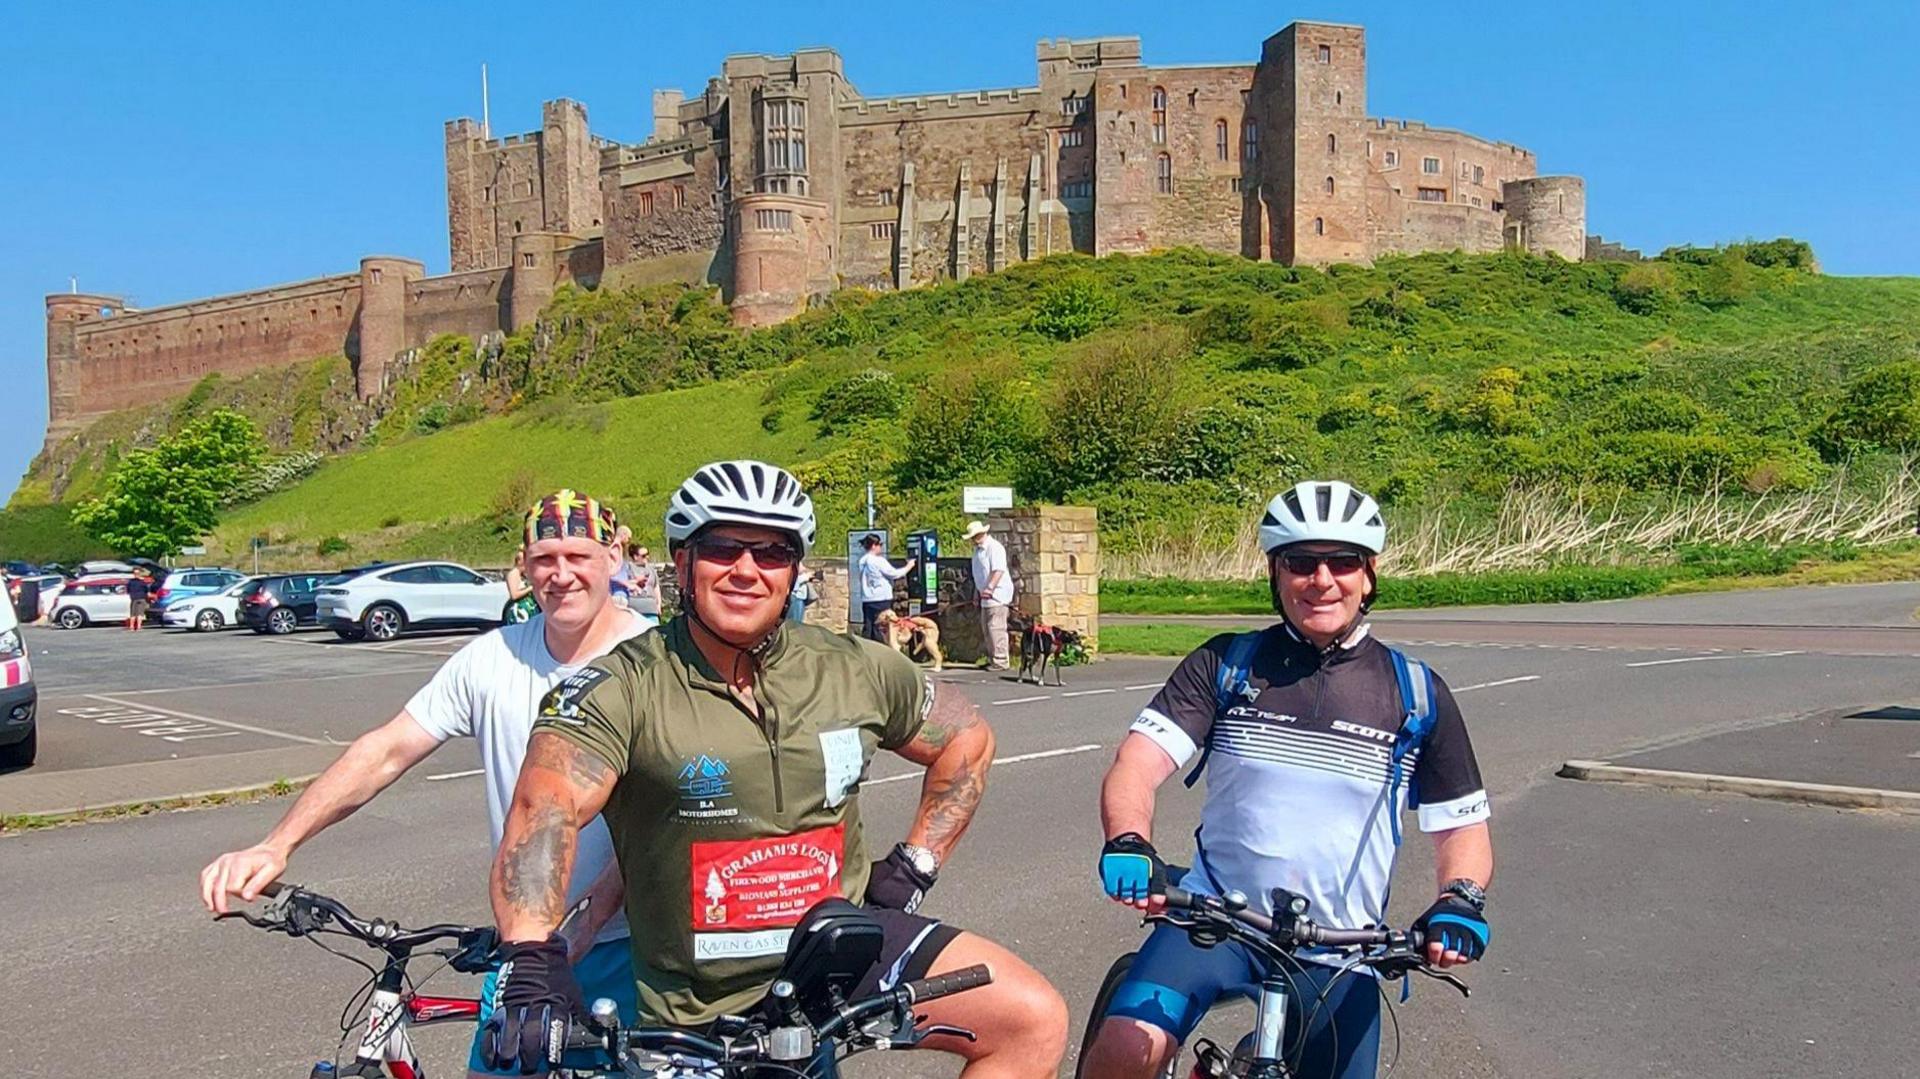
(1040, 644)
(912, 633)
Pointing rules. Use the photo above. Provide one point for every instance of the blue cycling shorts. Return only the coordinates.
(605, 971)
(1174, 982)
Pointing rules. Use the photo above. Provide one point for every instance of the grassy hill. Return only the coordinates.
(1173, 391)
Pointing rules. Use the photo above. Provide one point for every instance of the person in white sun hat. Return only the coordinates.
(994, 583)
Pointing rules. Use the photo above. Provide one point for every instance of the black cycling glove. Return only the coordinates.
(1130, 869)
(895, 883)
(534, 996)
(1453, 924)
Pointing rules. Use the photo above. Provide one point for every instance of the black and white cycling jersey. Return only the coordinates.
(1297, 770)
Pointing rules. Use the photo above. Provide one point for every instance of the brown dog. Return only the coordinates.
(910, 633)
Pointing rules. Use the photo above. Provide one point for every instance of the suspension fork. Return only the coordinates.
(1270, 1030)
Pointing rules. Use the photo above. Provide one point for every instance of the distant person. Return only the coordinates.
(643, 594)
(520, 602)
(876, 586)
(806, 590)
(622, 582)
(139, 593)
(994, 584)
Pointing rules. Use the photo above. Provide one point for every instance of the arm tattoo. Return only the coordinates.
(951, 714)
(948, 804)
(534, 867)
(582, 767)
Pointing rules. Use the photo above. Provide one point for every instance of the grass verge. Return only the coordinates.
(1153, 639)
(16, 823)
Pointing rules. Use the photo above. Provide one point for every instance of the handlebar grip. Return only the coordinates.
(943, 985)
(272, 889)
(1178, 898)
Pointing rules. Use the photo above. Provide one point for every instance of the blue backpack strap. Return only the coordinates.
(1416, 702)
(1228, 685)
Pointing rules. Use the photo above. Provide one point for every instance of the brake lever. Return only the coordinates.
(1439, 975)
(914, 1034)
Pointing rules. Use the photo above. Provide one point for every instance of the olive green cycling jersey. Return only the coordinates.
(729, 825)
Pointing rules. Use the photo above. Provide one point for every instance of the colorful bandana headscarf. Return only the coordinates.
(567, 512)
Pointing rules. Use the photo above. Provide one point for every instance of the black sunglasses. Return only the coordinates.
(765, 555)
(1301, 564)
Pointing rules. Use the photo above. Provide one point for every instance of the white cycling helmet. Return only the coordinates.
(741, 493)
(1328, 511)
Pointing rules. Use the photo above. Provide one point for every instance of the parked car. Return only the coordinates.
(278, 602)
(19, 738)
(203, 614)
(383, 602)
(20, 569)
(90, 600)
(187, 582)
(100, 567)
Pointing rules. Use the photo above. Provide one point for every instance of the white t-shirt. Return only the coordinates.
(987, 557)
(490, 691)
(876, 578)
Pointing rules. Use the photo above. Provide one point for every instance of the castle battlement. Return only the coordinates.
(966, 101)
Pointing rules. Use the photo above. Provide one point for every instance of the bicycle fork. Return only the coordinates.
(1270, 1031)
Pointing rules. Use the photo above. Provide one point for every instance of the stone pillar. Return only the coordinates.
(903, 232)
(997, 223)
(1031, 248)
(382, 327)
(666, 114)
(1054, 555)
(962, 234)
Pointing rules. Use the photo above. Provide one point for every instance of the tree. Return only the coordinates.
(159, 500)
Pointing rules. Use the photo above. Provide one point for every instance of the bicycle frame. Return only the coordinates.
(385, 1048)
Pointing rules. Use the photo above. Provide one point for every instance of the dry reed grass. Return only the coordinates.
(1538, 527)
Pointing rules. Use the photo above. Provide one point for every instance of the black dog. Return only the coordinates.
(1040, 643)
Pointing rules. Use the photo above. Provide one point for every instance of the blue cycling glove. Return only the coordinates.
(1453, 924)
(1130, 869)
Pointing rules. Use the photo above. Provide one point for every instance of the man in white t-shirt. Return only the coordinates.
(490, 691)
(994, 584)
(876, 585)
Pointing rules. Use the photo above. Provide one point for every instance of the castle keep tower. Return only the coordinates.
(1311, 89)
(65, 389)
(1547, 215)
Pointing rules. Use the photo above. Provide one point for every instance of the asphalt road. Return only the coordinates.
(1637, 932)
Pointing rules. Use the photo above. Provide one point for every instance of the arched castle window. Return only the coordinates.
(1319, 226)
(1163, 175)
(1249, 141)
(1160, 115)
(1329, 185)
(1333, 144)
(1220, 139)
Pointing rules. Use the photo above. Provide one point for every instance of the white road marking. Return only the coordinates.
(458, 775)
(272, 681)
(142, 707)
(1144, 685)
(1015, 759)
(1088, 692)
(1702, 659)
(1501, 682)
(1025, 700)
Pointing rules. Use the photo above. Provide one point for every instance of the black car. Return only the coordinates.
(20, 569)
(278, 602)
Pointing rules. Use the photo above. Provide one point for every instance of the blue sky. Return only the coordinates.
(166, 152)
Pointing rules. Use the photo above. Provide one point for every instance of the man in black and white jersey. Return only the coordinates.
(1299, 733)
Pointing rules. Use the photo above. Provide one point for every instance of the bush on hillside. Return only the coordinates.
(1647, 288)
(1879, 409)
(1072, 309)
(859, 398)
(1114, 400)
(964, 423)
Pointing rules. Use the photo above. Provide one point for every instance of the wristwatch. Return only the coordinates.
(1467, 892)
(924, 862)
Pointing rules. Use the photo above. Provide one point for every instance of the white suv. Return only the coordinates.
(203, 614)
(383, 602)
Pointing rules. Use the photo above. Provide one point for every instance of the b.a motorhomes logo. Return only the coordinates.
(705, 783)
(754, 884)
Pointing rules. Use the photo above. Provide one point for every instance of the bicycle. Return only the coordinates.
(394, 1003)
(804, 1027)
(1210, 920)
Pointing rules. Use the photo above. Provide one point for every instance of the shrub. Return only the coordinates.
(866, 395)
(1646, 289)
(390, 521)
(964, 423)
(433, 417)
(1072, 309)
(333, 545)
(1879, 409)
(1115, 400)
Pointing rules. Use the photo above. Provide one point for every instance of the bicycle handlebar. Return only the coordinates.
(305, 912)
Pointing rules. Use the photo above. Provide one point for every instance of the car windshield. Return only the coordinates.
(237, 588)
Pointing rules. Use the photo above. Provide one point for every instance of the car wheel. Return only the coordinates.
(21, 753)
(71, 618)
(383, 622)
(350, 633)
(208, 621)
(280, 620)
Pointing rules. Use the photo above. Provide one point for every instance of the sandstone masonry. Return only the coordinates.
(780, 182)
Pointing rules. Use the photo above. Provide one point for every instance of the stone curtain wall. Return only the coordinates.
(1054, 555)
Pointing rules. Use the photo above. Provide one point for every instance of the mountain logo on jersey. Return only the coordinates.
(704, 778)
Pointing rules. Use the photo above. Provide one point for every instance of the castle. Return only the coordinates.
(780, 182)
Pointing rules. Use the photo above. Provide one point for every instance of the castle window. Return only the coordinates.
(882, 230)
(516, 230)
(1433, 194)
(1193, 98)
(773, 220)
(1326, 54)
(1163, 175)
(786, 138)
(1333, 144)
(1393, 159)
(1339, 98)
(1072, 137)
(1073, 105)
(1319, 226)
(1329, 185)
(526, 259)
(679, 197)
(1249, 141)
(886, 197)
(1239, 183)
(1476, 200)
(1479, 174)
(1159, 114)
(1220, 139)
(1430, 166)
(646, 204)
(374, 273)
(528, 190)
(313, 315)
(486, 193)
(1246, 96)
(1077, 189)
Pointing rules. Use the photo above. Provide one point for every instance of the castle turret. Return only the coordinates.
(1309, 107)
(381, 330)
(65, 310)
(775, 256)
(1547, 214)
(535, 271)
(569, 168)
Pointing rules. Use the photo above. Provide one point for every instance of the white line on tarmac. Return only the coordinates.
(458, 775)
(272, 681)
(141, 706)
(1016, 759)
(1703, 659)
(1144, 685)
(1088, 692)
(1025, 700)
(1501, 682)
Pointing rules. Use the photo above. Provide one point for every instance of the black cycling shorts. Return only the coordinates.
(909, 946)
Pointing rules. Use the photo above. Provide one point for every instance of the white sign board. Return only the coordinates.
(982, 499)
(195, 549)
